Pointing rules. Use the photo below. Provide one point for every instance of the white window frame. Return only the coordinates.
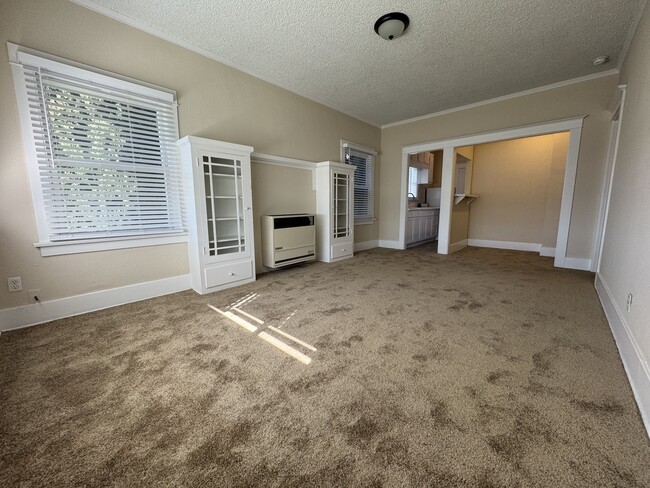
(19, 55)
(347, 144)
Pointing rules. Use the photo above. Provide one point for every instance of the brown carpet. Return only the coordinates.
(485, 368)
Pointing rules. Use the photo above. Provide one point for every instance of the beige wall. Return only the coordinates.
(625, 265)
(519, 183)
(215, 101)
(270, 196)
(555, 187)
(589, 98)
(459, 231)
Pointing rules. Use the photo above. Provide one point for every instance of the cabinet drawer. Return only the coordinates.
(342, 250)
(228, 273)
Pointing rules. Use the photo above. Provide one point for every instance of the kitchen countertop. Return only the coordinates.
(423, 208)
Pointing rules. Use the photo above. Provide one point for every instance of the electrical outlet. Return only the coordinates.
(14, 284)
(34, 296)
(628, 304)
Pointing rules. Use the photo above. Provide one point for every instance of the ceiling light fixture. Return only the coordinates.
(600, 60)
(391, 26)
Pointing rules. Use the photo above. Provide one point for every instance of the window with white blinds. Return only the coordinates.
(364, 180)
(104, 151)
(413, 182)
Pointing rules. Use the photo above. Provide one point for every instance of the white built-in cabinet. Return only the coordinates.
(217, 187)
(421, 225)
(334, 211)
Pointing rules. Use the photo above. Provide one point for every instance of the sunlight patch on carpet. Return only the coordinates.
(265, 333)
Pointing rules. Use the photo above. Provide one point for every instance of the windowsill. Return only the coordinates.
(365, 222)
(93, 245)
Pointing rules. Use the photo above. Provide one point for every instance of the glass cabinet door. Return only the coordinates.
(341, 213)
(224, 202)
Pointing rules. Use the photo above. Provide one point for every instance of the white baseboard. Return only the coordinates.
(457, 246)
(363, 246)
(512, 246)
(37, 313)
(576, 263)
(548, 252)
(389, 244)
(638, 372)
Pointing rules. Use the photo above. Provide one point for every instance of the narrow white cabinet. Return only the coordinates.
(217, 187)
(334, 211)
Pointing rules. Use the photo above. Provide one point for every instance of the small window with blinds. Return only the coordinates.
(102, 151)
(364, 180)
(413, 182)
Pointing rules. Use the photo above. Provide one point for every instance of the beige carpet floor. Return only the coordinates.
(482, 369)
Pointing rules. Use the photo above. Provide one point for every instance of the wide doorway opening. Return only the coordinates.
(508, 189)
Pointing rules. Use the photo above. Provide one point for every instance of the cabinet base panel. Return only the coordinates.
(207, 291)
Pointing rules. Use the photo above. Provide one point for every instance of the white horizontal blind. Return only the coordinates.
(364, 182)
(106, 157)
(413, 181)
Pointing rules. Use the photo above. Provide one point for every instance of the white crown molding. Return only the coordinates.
(37, 313)
(137, 24)
(630, 35)
(553, 86)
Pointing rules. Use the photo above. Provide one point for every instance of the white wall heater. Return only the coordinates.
(288, 239)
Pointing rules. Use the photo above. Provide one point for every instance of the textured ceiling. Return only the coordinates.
(455, 52)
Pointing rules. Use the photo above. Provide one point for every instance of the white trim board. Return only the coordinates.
(282, 161)
(364, 246)
(618, 107)
(489, 101)
(389, 244)
(512, 246)
(529, 130)
(547, 252)
(38, 313)
(637, 369)
(581, 264)
(457, 246)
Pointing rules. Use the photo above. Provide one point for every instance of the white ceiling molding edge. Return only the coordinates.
(489, 101)
(136, 24)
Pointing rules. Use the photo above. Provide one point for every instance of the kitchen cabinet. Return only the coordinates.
(422, 225)
(217, 186)
(432, 162)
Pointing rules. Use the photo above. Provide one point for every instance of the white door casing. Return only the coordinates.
(572, 125)
(605, 197)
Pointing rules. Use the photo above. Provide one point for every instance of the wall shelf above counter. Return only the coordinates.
(459, 197)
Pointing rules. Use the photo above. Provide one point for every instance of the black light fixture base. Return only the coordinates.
(392, 16)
